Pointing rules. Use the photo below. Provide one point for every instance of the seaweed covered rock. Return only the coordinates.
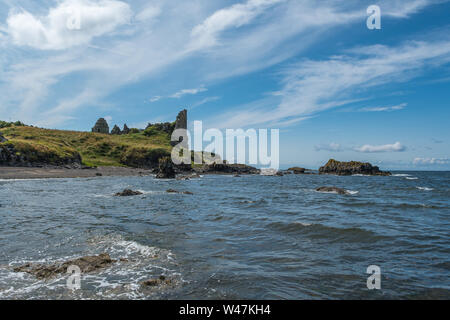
(166, 169)
(86, 264)
(350, 168)
(225, 168)
(331, 190)
(127, 193)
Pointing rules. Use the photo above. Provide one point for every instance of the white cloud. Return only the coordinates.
(431, 161)
(396, 147)
(184, 92)
(381, 109)
(310, 87)
(148, 13)
(235, 16)
(205, 100)
(335, 147)
(155, 98)
(71, 23)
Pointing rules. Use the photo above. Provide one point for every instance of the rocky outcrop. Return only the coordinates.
(127, 193)
(166, 169)
(143, 158)
(101, 126)
(86, 264)
(26, 155)
(225, 168)
(332, 190)
(125, 130)
(116, 130)
(297, 170)
(350, 168)
(181, 123)
(2, 138)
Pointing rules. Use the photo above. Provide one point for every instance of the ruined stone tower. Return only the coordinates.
(101, 126)
(181, 123)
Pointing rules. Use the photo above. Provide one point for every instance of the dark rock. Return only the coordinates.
(332, 189)
(86, 264)
(116, 130)
(101, 126)
(2, 138)
(224, 168)
(350, 168)
(156, 282)
(181, 123)
(127, 193)
(98, 174)
(175, 191)
(297, 170)
(166, 169)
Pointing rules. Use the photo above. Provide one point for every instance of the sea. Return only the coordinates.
(248, 237)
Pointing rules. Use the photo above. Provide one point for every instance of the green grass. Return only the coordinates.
(96, 149)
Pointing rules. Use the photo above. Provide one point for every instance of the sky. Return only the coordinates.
(312, 69)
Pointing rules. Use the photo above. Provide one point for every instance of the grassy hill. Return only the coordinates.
(36, 145)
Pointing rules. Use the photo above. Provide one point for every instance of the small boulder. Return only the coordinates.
(332, 190)
(128, 193)
(156, 282)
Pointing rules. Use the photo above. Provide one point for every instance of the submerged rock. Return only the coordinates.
(86, 264)
(350, 168)
(156, 282)
(332, 190)
(128, 193)
(175, 191)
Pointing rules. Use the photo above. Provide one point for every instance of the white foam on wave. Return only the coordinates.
(411, 178)
(119, 281)
(425, 188)
(351, 192)
(401, 175)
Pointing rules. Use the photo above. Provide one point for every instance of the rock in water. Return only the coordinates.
(166, 169)
(350, 168)
(332, 189)
(86, 264)
(297, 170)
(127, 193)
(156, 282)
(101, 126)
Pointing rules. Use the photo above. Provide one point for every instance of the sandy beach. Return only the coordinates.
(42, 173)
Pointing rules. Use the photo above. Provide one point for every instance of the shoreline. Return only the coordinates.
(19, 173)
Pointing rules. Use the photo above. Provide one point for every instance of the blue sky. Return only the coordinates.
(334, 88)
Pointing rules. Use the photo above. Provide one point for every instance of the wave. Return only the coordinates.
(136, 262)
(401, 175)
(411, 178)
(425, 188)
(319, 231)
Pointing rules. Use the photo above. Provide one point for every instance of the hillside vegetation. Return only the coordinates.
(36, 145)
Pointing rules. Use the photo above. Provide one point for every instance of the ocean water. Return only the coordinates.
(251, 237)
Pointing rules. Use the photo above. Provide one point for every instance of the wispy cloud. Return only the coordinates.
(204, 101)
(184, 92)
(335, 147)
(382, 109)
(367, 148)
(431, 161)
